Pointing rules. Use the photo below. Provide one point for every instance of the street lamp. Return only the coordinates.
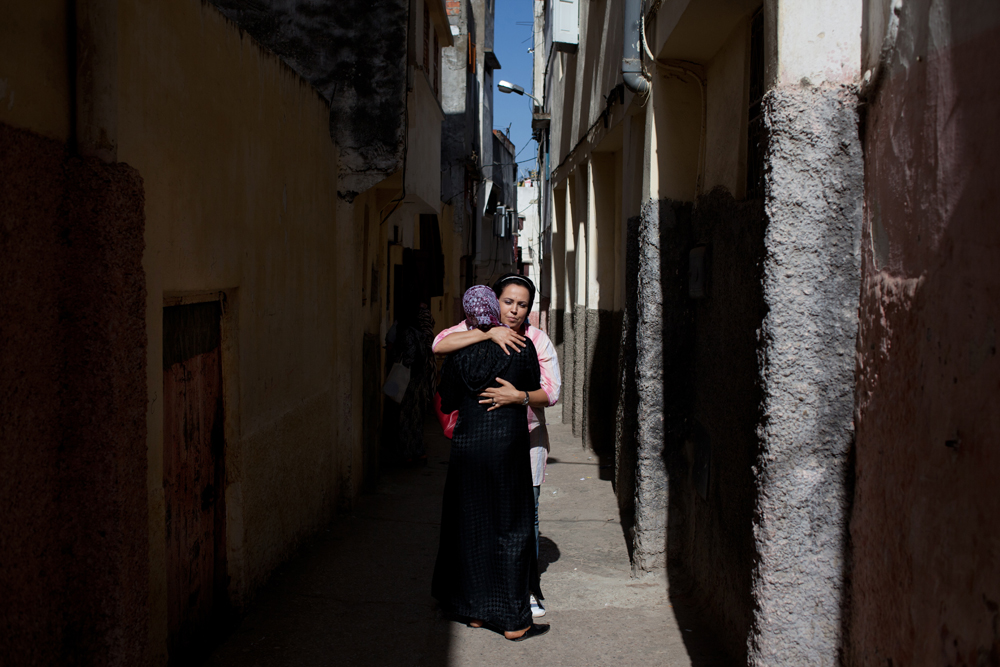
(508, 87)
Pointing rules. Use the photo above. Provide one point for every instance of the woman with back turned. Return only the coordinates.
(487, 567)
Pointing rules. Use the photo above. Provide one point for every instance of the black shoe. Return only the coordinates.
(534, 631)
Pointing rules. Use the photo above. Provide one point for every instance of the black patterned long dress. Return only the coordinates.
(486, 564)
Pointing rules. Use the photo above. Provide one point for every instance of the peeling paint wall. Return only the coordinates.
(925, 584)
(355, 54)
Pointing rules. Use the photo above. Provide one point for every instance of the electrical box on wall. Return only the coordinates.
(566, 25)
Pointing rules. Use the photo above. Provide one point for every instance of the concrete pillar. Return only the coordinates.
(811, 285)
(626, 412)
(649, 540)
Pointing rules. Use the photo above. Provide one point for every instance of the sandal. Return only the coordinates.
(534, 630)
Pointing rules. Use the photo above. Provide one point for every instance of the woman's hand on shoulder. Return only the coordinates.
(506, 338)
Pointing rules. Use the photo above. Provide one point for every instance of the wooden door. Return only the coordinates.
(193, 475)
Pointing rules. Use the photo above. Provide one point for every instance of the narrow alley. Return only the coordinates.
(359, 594)
(752, 243)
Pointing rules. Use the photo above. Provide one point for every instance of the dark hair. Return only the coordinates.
(516, 279)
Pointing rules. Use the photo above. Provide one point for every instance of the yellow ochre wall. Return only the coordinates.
(240, 184)
(34, 72)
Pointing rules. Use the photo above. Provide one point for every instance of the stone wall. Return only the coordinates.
(73, 400)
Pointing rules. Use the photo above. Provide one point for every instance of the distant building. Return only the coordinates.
(530, 243)
(474, 161)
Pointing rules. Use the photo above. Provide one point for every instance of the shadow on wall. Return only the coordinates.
(603, 386)
(713, 303)
(710, 274)
(626, 415)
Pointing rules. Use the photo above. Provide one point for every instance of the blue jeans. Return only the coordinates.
(538, 492)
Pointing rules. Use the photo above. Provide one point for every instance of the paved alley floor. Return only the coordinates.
(359, 594)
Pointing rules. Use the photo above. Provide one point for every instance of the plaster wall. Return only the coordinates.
(72, 394)
(241, 196)
(602, 334)
(579, 83)
(726, 90)
(810, 282)
(460, 127)
(423, 145)
(677, 113)
(582, 354)
(568, 352)
(818, 44)
(925, 587)
(557, 312)
(34, 68)
(355, 54)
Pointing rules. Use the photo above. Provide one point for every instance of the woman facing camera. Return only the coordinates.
(487, 566)
(516, 294)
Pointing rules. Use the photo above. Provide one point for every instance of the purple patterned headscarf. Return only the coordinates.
(481, 307)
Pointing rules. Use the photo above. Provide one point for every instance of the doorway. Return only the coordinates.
(194, 476)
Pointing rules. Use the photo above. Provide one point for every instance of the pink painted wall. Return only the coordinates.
(925, 529)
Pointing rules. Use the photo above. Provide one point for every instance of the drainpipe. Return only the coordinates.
(632, 74)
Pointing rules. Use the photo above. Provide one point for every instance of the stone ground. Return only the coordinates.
(359, 594)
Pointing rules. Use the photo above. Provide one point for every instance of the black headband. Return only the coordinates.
(527, 283)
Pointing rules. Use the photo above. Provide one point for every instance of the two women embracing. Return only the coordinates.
(500, 375)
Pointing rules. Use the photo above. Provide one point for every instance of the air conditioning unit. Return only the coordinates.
(500, 222)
